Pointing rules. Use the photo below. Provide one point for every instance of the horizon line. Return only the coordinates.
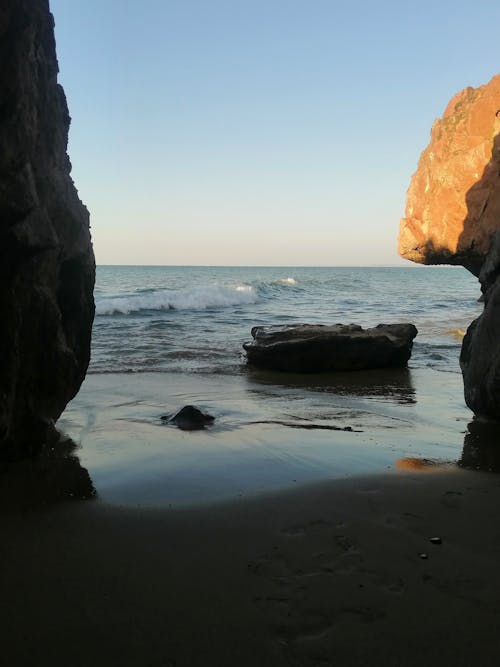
(284, 266)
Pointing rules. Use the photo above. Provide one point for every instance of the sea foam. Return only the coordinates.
(193, 298)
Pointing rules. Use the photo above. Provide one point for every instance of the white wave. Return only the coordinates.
(287, 281)
(193, 298)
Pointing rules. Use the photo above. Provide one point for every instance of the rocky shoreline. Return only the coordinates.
(98, 564)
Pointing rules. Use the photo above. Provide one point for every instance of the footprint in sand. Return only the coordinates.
(270, 566)
(300, 583)
(299, 530)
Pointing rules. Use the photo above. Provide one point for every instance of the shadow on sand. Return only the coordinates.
(51, 476)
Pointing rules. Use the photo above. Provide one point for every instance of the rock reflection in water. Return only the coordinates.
(481, 446)
(53, 475)
(389, 383)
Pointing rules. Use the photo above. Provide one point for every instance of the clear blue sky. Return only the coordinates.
(259, 132)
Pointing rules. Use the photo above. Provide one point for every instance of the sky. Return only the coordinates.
(259, 132)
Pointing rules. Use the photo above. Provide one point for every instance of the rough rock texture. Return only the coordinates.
(453, 202)
(453, 217)
(480, 354)
(46, 260)
(315, 348)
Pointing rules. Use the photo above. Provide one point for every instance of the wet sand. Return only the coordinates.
(271, 431)
(329, 574)
(255, 544)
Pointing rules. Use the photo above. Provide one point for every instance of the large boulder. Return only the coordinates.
(316, 348)
(453, 217)
(47, 267)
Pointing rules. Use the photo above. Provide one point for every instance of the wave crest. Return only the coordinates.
(193, 298)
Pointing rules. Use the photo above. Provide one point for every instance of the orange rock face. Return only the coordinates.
(453, 202)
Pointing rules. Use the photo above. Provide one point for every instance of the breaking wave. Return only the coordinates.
(193, 298)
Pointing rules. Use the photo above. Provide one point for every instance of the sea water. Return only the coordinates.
(195, 319)
(165, 337)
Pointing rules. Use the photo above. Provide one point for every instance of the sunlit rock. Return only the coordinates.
(453, 202)
(453, 217)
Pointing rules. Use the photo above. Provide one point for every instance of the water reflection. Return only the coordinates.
(414, 464)
(51, 476)
(481, 446)
(394, 384)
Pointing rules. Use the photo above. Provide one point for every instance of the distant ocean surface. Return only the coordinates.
(165, 337)
(195, 319)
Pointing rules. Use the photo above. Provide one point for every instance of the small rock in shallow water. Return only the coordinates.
(189, 418)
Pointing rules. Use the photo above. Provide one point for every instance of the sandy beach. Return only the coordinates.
(339, 573)
(255, 543)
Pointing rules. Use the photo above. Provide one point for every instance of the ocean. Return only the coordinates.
(165, 337)
(195, 319)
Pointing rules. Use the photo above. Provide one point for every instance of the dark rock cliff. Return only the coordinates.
(453, 217)
(47, 267)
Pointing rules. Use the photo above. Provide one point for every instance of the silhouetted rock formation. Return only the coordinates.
(480, 354)
(315, 348)
(189, 418)
(46, 260)
(453, 217)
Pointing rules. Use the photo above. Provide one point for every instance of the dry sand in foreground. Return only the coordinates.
(330, 574)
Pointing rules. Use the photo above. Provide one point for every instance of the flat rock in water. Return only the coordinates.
(317, 348)
(189, 418)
